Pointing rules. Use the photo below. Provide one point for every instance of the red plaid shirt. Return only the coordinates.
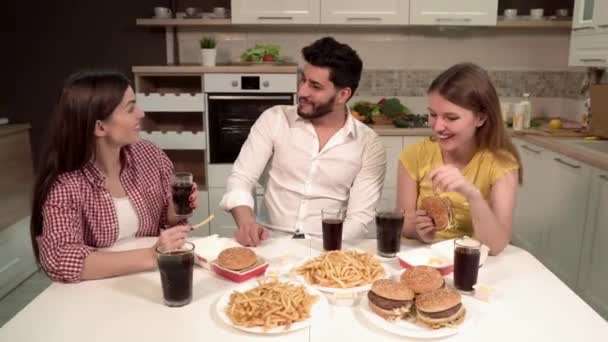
(79, 213)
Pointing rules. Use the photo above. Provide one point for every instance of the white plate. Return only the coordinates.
(350, 292)
(318, 311)
(409, 328)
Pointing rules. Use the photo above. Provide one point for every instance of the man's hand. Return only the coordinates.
(251, 234)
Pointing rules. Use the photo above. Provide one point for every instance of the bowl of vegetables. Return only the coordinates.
(262, 54)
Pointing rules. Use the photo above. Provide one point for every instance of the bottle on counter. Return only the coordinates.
(518, 116)
(527, 110)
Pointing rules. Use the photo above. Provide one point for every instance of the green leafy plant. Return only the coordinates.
(261, 53)
(208, 43)
(390, 108)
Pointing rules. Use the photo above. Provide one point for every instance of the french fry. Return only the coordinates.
(341, 269)
(271, 304)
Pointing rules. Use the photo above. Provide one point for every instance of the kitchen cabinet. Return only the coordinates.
(223, 224)
(589, 38)
(448, 12)
(593, 276)
(275, 11)
(528, 221)
(16, 255)
(362, 12)
(565, 201)
(392, 148)
(201, 213)
(583, 13)
(600, 15)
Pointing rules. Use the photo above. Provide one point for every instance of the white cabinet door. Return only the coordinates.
(392, 147)
(528, 221)
(364, 12)
(565, 211)
(223, 224)
(593, 279)
(583, 14)
(588, 49)
(200, 213)
(16, 256)
(449, 12)
(275, 11)
(600, 15)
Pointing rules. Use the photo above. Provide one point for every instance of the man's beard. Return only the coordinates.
(319, 110)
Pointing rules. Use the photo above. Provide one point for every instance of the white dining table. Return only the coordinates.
(529, 303)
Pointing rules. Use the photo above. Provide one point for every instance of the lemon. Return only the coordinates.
(555, 124)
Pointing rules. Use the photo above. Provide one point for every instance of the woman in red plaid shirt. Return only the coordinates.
(99, 182)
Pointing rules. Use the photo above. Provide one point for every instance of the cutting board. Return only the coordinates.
(599, 110)
(563, 132)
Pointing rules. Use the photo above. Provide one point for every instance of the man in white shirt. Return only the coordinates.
(317, 155)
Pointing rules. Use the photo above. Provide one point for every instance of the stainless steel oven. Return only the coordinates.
(230, 119)
(233, 103)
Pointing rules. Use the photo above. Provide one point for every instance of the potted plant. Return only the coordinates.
(208, 51)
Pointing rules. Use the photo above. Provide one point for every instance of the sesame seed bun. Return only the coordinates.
(422, 279)
(237, 258)
(440, 308)
(391, 289)
(439, 209)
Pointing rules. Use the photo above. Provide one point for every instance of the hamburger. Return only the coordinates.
(422, 279)
(440, 308)
(439, 210)
(237, 258)
(390, 299)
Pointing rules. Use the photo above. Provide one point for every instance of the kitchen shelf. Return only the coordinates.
(528, 23)
(177, 140)
(180, 102)
(182, 22)
(515, 23)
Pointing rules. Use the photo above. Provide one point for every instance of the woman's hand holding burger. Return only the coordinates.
(449, 178)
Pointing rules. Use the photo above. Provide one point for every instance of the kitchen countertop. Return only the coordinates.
(529, 304)
(561, 145)
(13, 128)
(556, 144)
(197, 69)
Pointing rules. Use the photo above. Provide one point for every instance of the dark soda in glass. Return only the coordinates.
(181, 198)
(176, 275)
(388, 232)
(466, 267)
(332, 234)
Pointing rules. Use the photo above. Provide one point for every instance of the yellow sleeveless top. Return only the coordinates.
(483, 171)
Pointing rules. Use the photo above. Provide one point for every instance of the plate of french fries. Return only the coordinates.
(340, 271)
(272, 306)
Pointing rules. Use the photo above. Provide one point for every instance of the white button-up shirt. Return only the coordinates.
(347, 173)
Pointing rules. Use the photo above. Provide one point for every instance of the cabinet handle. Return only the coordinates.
(525, 147)
(364, 18)
(603, 25)
(593, 59)
(559, 160)
(582, 28)
(465, 20)
(275, 18)
(604, 177)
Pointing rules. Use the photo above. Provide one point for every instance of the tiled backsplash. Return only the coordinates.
(403, 62)
(564, 84)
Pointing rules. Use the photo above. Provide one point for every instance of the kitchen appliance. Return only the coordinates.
(598, 124)
(233, 103)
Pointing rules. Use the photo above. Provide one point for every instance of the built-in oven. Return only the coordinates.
(230, 119)
(233, 103)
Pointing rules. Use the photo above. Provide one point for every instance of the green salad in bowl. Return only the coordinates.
(261, 53)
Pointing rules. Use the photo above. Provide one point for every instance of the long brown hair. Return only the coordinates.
(86, 97)
(469, 86)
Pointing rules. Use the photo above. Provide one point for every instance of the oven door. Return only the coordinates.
(230, 117)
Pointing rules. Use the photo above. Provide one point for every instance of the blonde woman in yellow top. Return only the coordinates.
(470, 159)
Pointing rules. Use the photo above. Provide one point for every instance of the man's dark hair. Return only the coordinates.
(342, 61)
